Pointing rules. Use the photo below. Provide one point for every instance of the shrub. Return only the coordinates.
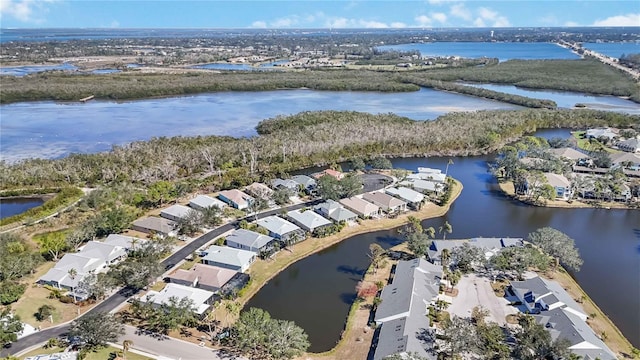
(44, 312)
(67, 299)
(10, 292)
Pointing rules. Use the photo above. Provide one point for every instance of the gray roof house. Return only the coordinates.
(424, 186)
(207, 277)
(601, 132)
(305, 181)
(229, 258)
(155, 225)
(249, 240)
(490, 246)
(285, 183)
(335, 211)
(431, 176)
(126, 242)
(202, 299)
(385, 201)
(281, 229)
(308, 220)
(561, 316)
(410, 196)
(175, 212)
(361, 207)
(202, 202)
(235, 198)
(259, 190)
(631, 145)
(569, 153)
(402, 312)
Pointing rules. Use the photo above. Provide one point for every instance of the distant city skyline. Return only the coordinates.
(336, 14)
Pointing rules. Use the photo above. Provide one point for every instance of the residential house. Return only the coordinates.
(386, 202)
(259, 190)
(308, 220)
(402, 314)
(282, 229)
(561, 316)
(561, 184)
(569, 153)
(412, 197)
(155, 226)
(598, 133)
(128, 243)
(423, 186)
(202, 202)
(631, 145)
(236, 198)
(307, 183)
(202, 299)
(206, 277)
(250, 240)
(626, 160)
(227, 257)
(330, 172)
(363, 208)
(490, 246)
(424, 173)
(335, 211)
(175, 212)
(285, 184)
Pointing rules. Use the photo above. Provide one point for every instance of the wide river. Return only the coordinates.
(317, 292)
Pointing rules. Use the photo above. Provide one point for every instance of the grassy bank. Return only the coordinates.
(264, 270)
(64, 197)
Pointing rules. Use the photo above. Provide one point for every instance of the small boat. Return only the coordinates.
(86, 99)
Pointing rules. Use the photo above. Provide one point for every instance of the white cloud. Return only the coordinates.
(371, 24)
(571, 24)
(479, 22)
(460, 11)
(398, 25)
(284, 22)
(439, 17)
(259, 24)
(620, 20)
(337, 23)
(489, 16)
(423, 20)
(440, 2)
(21, 10)
(114, 24)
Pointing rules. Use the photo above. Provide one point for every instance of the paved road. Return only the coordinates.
(121, 296)
(473, 291)
(170, 347)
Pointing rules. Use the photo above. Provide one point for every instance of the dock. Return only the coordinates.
(87, 99)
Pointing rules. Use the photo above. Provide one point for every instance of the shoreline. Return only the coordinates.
(262, 271)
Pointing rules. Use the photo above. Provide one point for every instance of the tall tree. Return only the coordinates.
(96, 329)
(286, 340)
(126, 345)
(376, 254)
(10, 326)
(445, 229)
(466, 257)
(557, 245)
(52, 244)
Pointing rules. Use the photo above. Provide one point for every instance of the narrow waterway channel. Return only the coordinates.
(17, 205)
(317, 292)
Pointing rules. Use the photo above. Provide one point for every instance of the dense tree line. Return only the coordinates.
(329, 137)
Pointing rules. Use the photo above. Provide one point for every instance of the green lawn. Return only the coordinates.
(590, 145)
(106, 353)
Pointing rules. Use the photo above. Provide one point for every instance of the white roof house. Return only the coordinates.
(435, 177)
(227, 257)
(125, 242)
(601, 132)
(280, 228)
(175, 212)
(406, 194)
(423, 185)
(308, 220)
(201, 202)
(285, 183)
(101, 250)
(201, 298)
(335, 211)
(249, 240)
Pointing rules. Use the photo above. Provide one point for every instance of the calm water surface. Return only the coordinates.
(15, 206)
(567, 99)
(614, 49)
(50, 129)
(317, 292)
(502, 51)
(29, 69)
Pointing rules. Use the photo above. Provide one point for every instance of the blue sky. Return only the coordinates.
(314, 14)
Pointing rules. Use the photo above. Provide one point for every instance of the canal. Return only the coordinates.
(16, 205)
(317, 292)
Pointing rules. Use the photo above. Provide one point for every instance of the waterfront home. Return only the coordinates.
(561, 185)
(128, 243)
(308, 220)
(285, 184)
(386, 202)
(569, 154)
(307, 183)
(227, 257)
(597, 133)
(333, 210)
(202, 202)
(282, 229)
(631, 145)
(363, 208)
(235, 198)
(402, 314)
(329, 172)
(175, 212)
(259, 190)
(423, 186)
(626, 161)
(556, 310)
(202, 299)
(155, 226)
(206, 277)
(425, 173)
(490, 246)
(250, 240)
(412, 197)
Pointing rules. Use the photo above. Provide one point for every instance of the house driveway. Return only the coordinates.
(476, 291)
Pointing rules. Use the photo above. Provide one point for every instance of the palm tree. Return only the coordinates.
(72, 273)
(233, 309)
(446, 170)
(445, 256)
(444, 229)
(126, 345)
